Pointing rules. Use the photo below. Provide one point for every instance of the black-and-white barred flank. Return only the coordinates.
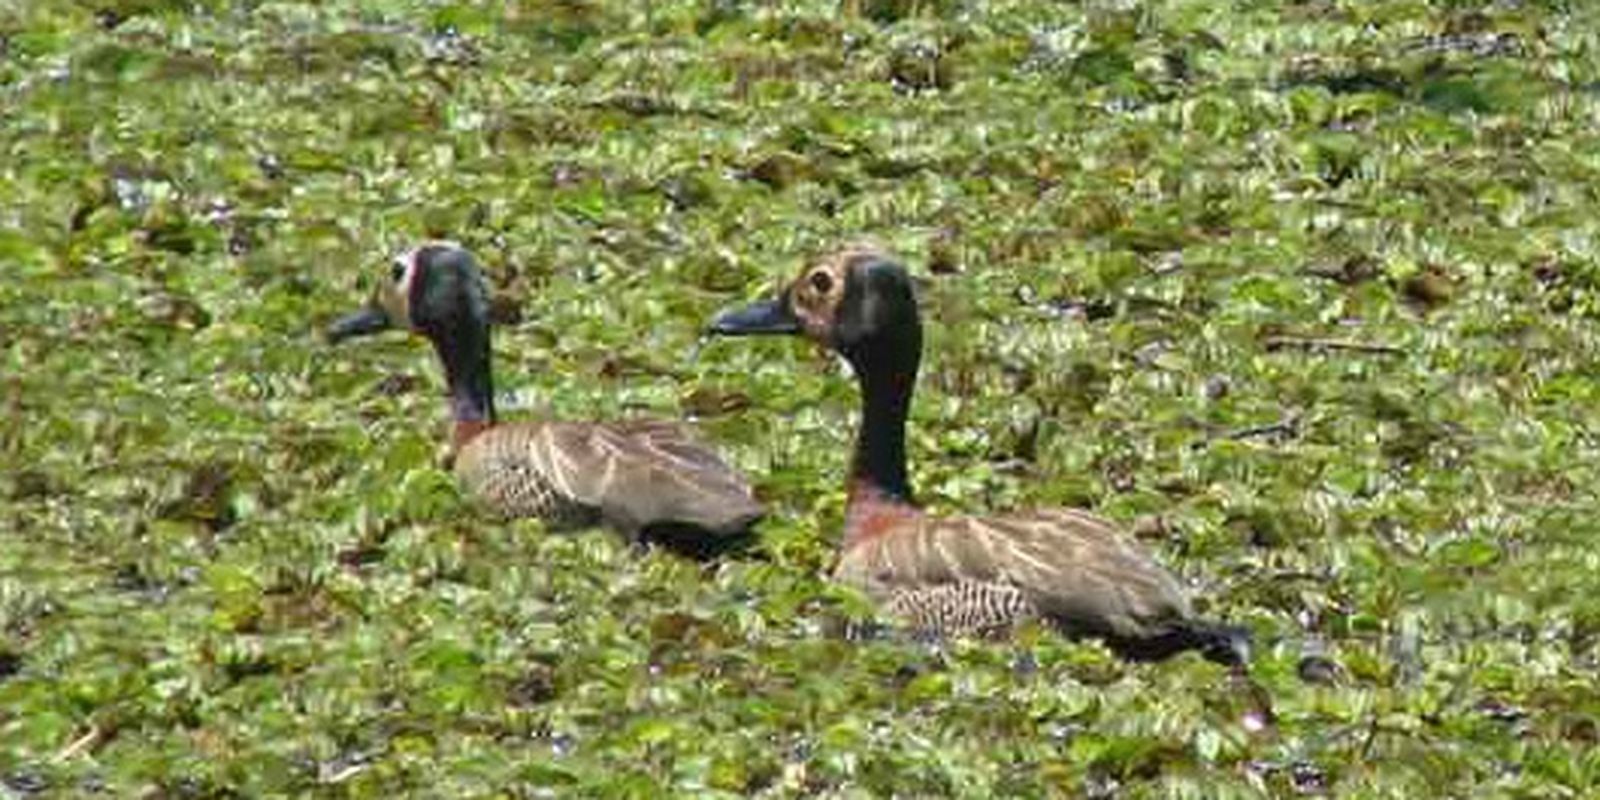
(967, 608)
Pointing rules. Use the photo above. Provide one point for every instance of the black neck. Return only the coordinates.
(465, 353)
(887, 373)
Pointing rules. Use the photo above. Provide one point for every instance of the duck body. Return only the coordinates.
(648, 479)
(965, 575)
(985, 575)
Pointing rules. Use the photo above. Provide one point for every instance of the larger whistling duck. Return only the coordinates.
(646, 478)
(964, 574)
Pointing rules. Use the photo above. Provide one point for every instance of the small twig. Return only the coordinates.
(11, 440)
(1300, 575)
(1288, 426)
(1313, 343)
(1372, 734)
(78, 745)
(345, 774)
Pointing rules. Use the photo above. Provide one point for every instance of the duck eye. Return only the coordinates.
(397, 271)
(821, 282)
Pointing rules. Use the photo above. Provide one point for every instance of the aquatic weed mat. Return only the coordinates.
(1303, 294)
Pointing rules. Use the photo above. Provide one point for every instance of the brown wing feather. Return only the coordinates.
(640, 474)
(1073, 569)
(629, 475)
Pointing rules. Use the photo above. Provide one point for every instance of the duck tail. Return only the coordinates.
(1228, 645)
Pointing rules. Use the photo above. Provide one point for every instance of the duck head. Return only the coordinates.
(433, 290)
(436, 291)
(859, 303)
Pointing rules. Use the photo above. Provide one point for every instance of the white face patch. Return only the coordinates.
(395, 294)
(405, 269)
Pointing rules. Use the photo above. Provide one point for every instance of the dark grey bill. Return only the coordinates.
(765, 317)
(369, 320)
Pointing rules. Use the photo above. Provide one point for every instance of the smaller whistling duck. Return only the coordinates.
(646, 478)
(967, 574)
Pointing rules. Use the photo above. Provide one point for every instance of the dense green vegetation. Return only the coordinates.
(230, 564)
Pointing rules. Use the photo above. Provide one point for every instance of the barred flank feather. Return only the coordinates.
(500, 468)
(966, 608)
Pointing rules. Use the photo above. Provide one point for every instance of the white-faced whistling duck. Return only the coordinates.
(966, 574)
(646, 478)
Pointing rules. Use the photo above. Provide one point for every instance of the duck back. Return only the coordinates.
(630, 475)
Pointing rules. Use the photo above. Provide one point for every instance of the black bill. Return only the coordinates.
(369, 320)
(765, 317)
